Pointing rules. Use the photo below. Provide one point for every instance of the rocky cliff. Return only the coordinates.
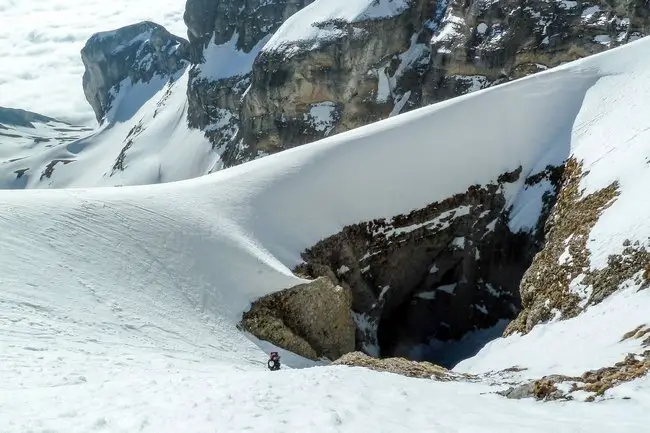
(559, 283)
(137, 52)
(225, 38)
(329, 68)
(275, 74)
(433, 275)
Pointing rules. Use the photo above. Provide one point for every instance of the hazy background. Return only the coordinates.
(40, 40)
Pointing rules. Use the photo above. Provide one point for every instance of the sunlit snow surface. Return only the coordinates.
(118, 306)
(40, 41)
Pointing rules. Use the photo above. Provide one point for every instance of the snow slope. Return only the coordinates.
(144, 140)
(118, 305)
(24, 134)
(43, 39)
(225, 60)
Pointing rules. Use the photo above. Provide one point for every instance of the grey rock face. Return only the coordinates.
(138, 52)
(215, 99)
(482, 43)
(298, 95)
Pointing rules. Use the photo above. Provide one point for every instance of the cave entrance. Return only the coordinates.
(441, 282)
(397, 340)
(450, 318)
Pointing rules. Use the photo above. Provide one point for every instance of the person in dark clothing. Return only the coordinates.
(274, 361)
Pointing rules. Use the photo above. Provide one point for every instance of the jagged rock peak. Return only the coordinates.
(139, 52)
(219, 20)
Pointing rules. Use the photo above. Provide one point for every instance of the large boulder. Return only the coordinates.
(312, 320)
(137, 52)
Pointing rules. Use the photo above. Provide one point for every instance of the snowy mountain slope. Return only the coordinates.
(136, 78)
(25, 135)
(144, 140)
(119, 305)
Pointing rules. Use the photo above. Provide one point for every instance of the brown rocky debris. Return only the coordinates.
(542, 389)
(632, 367)
(312, 319)
(596, 382)
(545, 285)
(404, 367)
(640, 332)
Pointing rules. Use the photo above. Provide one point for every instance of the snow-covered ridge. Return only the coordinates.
(324, 20)
(26, 135)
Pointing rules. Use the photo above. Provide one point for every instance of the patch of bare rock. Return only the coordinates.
(404, 367)
(313, 320)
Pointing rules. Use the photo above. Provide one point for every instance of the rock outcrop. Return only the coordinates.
(401, 366)
(225, 37)
(432, 275)
(299, 94)
(312, 320)
(218, 21)
(137, 52)
(590, 386)
(559, 283)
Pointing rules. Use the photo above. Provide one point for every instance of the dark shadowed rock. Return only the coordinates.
(431, 275)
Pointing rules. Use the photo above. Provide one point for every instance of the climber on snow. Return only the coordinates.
(274, 361)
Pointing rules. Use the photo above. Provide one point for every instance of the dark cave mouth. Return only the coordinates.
(441, 282)
(452, 320)
(445, 348)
